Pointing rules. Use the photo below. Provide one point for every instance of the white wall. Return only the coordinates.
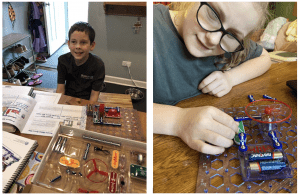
(116, 42)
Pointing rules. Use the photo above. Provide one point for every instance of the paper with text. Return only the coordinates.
(46, 118)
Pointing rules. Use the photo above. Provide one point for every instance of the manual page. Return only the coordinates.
(12, 89)
(16, 109)
(47, 97)
(46, 118)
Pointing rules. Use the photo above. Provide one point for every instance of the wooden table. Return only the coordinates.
(109, 99)
(175, 165)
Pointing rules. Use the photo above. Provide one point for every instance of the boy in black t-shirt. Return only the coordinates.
(80, 73)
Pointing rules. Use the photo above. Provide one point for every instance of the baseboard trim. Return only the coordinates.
(125, 82)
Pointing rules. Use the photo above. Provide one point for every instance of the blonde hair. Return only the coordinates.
(237, 57)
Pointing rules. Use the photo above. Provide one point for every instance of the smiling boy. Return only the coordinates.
(80, 73)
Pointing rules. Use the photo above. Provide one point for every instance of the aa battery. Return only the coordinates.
(267, 166)
(277, 155)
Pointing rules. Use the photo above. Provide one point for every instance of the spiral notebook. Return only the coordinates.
(16, 151)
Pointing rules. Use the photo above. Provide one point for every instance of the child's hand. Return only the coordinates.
(195, 126)
(217, 84)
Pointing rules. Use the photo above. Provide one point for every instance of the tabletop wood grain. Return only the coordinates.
(175, 165)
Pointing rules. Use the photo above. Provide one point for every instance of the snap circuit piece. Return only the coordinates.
(55, 179)
(245, 118)
(138, 172)
(122, 163)
(242, 146)
(115, 159)
(86, 151)
(122, 184)
(62, 149)
(277, 155)
(269, 97)
(69, 162)
(251, 98)
(241, 130)
(57, 145)
(113, 182)
(276, 142)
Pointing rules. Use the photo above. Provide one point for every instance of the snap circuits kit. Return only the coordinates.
(116, 121)
(80, 161)
(264, 158)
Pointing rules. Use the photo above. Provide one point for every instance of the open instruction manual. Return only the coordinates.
(38, 117)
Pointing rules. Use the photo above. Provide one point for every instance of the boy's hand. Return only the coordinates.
(217, 84)
(196, 126)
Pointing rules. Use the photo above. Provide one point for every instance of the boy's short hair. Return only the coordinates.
(83, 27)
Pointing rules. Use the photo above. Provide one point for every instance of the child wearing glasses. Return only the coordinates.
(203, 48)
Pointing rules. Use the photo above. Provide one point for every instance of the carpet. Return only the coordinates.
(52, 61)
(49, 79)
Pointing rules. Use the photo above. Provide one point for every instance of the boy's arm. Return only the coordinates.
(60, 89)
(219, 83)
(61, 77)
(94, 96)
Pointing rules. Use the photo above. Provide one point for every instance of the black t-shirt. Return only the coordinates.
(80, 80)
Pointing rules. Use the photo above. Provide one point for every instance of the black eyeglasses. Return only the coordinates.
(209, 20)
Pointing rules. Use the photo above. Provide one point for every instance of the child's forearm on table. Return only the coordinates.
(165, 119)
(250, 69)
(60, 88)
(94, 96)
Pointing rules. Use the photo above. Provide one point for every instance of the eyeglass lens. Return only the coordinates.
(210, 22)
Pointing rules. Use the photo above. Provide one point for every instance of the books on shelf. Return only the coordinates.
(283, 56)
(16, 151)
(40, 115)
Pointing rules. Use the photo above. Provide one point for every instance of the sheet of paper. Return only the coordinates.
(11, 89)
(46, 118)
(16, 109)
(43, 96)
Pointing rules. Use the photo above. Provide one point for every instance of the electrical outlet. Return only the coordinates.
(126, 63)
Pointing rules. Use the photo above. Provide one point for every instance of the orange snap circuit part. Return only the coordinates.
(115, 159)
(69, 162)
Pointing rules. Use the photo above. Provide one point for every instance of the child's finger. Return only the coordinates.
(216, 139)
(221, 93)
(203, 147)
(212, 86)
(218, 89)
(221, 129)
(224, 119)
(209, 79)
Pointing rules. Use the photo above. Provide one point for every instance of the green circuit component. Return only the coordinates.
(241, 130)
(138, 172)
